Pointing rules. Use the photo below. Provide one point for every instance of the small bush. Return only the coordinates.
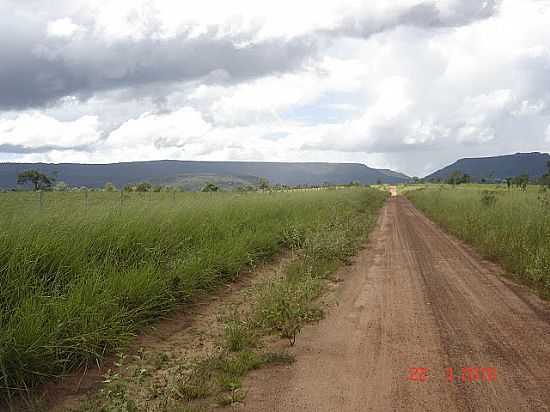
(286, 306)
(238, 335)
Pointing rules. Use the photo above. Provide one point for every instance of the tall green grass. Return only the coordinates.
(78, 283)
(508, 226)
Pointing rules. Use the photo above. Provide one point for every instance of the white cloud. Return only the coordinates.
(63, 27)
(269, 97)
(529, 108)
(36, 130)
(177, 129)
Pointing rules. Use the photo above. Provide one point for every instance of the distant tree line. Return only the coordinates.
(39, 181)
(521, 181)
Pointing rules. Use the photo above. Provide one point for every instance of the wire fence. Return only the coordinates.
(91, 199)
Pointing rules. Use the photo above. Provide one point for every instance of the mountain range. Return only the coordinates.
(192, 174)
(496, 167)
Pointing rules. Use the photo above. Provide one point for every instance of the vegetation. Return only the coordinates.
(78, 283)
(39, 180)
(210, 187)
(282, 303)
(109, 187)
(545, 179)
(143, 187)
(263, 184)
(457, 178)
(521, 181)
(509, 226)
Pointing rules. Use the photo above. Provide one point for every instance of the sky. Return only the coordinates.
(410, 85)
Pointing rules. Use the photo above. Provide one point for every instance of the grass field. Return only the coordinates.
(508, 226)
(78, 282)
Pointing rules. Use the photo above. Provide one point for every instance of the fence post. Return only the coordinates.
(41, 199)
(174, 196)
(121, 197)
(86, 199)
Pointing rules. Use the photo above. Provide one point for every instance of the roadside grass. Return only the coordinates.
(78, 284)
(283, 305)
(279, 306)
(511, 227)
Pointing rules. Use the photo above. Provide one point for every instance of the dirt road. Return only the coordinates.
(417, 298)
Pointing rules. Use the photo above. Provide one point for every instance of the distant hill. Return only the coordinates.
(498, 167)
(175, 172)
(393, 174)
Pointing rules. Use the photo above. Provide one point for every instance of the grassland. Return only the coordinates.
(80, 277)
(511, 227)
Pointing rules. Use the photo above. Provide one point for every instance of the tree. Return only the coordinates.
(39, 180)
(457, 178)
(522, 181)
(246, 188)
(509, 182)
(128, 188)
(263, 184)
(144, 187)
(545, 179)
(109, 187)
(210, 187)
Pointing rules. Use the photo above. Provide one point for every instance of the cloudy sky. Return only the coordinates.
(406, 84)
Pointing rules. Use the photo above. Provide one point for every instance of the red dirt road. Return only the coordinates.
(416, 298)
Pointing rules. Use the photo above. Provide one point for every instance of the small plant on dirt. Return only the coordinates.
(286, 306)
(116, 394)
(221, 375)
(235, 396)
(160, 360)
(198, 383)
(238, 335)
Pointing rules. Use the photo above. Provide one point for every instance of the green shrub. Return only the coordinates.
(238, 335)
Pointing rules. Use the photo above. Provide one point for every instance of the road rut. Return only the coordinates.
(416, 298)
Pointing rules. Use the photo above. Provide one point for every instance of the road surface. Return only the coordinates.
(416, 303)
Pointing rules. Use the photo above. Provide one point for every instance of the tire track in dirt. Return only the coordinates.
(416, 298)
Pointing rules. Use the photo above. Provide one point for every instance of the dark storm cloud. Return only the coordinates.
(42, 70)
(36, 69)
